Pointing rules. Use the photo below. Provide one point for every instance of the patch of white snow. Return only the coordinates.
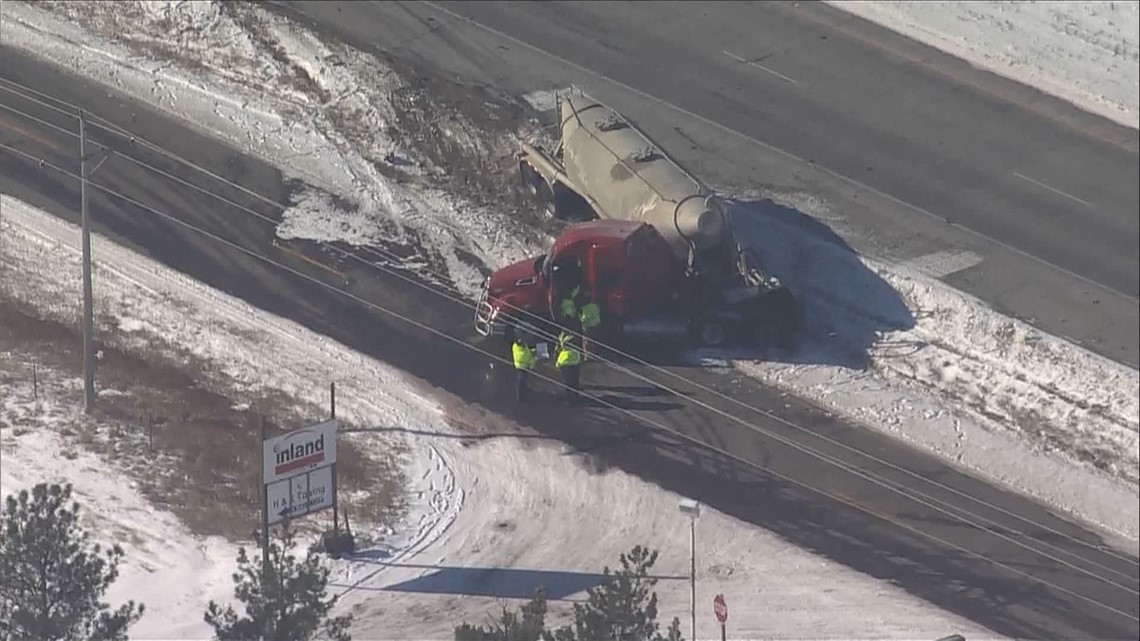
(1085, 52)
(897, 349)
(318, 111)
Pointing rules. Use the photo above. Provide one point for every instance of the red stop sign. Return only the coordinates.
(720, 608)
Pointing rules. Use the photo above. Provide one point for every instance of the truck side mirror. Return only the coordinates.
(538, 263)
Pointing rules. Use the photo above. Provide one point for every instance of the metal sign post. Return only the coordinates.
(720, 609)
(264, 513)
(332, 416)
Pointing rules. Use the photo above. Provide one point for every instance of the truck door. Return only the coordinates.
(653, 272)
(604, 274)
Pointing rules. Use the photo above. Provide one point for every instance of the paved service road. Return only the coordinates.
(900, 138)
(893, 513)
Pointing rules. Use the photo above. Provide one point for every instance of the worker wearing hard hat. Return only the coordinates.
(567, 363)
(524, 358)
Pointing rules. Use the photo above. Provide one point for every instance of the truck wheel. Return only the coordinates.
(538, 189)
(530, 179)
(546, 200)
(711, 332)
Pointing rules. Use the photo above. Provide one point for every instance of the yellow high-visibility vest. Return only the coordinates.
(567, 306)
(567, 354)
(523, 356)
(591, 315)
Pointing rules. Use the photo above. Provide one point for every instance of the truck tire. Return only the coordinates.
(546, 200)
(538, 189)
(530, 179)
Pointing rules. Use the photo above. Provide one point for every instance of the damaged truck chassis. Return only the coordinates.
(657, 252)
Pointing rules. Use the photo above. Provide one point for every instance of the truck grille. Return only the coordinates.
(484, 314)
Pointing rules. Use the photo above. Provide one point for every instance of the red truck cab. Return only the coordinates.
(625, 266)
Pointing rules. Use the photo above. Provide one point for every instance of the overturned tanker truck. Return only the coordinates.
(658, 252)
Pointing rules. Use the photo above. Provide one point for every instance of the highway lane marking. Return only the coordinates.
(759, 66)
(27, 134)
(311, 261)
(1052, 189)
(941, 264)
(786, 154)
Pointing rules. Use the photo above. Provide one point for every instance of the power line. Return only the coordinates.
(906, 492)
(657, 424)
(389, 256)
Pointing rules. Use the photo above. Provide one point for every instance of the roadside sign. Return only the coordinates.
(300, 494)
(298, 475)
(720, 608)
(299, 451)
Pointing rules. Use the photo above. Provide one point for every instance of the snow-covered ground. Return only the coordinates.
(982, 389)
(471, 508)
(319, 111)
(1087, 53)
(946, 372)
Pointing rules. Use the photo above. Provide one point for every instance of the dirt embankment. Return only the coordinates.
(192, 450)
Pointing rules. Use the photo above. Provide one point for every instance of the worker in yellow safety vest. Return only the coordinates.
(590, 317)
(524, 359)
(567, 362)
(578, 311)
(568, 307)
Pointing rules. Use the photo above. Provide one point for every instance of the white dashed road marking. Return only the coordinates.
(942, 264)
(774, 149)
(760, 66)
(1052, 189)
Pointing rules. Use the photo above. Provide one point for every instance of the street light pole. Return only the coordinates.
(693, 575)
(693, 510)
(88, 339)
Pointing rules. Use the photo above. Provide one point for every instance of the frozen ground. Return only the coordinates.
(187, 571)
(321, 112)
(1085, 52)
(944, 371)
(465, 501)
(893, 347)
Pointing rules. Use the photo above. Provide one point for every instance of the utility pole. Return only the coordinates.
(336, 515)
(88, 339)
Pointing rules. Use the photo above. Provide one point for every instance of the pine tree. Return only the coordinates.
(622, 608)
(528, 624)
(287, 603)
(52, 579)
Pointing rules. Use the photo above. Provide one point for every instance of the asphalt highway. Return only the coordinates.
(918, 153)
(850, 494)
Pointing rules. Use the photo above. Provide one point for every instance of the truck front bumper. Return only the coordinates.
(486, 321)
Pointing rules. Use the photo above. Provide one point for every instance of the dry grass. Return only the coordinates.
(191, 450)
